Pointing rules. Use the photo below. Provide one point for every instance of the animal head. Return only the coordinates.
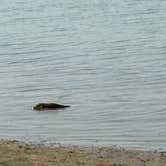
(38, 107)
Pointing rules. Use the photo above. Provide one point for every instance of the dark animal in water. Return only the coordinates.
(49, 106)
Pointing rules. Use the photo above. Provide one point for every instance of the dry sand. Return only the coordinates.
(13, 153)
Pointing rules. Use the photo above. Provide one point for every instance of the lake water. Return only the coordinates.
(107, 59)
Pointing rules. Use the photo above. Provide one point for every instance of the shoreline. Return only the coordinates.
(18, 153)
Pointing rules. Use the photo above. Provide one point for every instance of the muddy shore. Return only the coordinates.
(13, 153)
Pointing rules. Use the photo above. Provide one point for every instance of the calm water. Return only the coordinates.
(107, 59)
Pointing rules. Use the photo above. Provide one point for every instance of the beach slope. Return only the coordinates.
(13, 153)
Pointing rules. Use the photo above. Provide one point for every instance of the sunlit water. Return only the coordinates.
(107, 59)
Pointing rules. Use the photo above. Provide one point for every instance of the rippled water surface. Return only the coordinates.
(107, 59)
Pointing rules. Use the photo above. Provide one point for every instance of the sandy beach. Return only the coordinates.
(14, 153)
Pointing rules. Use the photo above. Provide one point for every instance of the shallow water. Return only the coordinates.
(104, 58)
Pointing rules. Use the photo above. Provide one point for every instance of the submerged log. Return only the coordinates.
(49, 106)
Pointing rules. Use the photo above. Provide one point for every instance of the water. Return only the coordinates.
(107, 59)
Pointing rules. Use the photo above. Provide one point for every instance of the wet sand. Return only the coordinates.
(13, 153)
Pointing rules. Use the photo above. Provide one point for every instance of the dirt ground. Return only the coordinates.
(13, 153)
